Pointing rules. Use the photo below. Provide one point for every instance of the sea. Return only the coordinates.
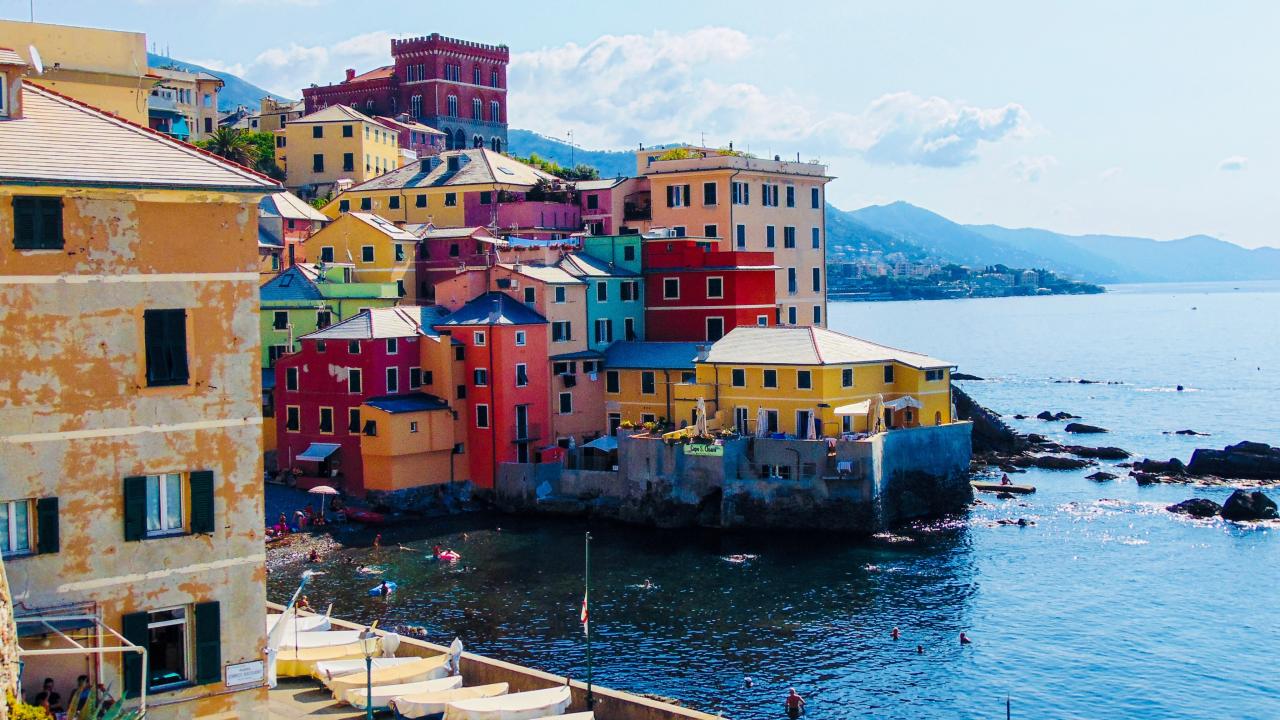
(1104, 606)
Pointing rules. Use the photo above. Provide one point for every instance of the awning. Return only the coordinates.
(858, 408)
(604, 442)
(902, 403)
(318, 452)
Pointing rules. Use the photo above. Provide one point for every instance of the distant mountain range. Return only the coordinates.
(236, 91)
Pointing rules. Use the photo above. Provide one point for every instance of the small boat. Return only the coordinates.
(301, 662)
(995, 487)
(376, 590)
(431, 668)
(426, 704)
(516, 706)
(303, 623)
(320, 638)
(367, 517)
(382, 694)
(338, 668)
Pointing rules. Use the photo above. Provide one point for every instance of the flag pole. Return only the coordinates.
(586, 612)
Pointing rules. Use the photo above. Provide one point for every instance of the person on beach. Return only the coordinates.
(313, 556)
(794, 704)
(377, 541)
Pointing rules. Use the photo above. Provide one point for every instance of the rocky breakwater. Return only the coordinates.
(1242, 506)
(1245, 463)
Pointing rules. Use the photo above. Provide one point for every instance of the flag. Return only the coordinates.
(583, 617)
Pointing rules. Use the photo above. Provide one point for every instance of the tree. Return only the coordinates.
(233, 144)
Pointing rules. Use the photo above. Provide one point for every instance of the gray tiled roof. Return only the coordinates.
(808, 346)
(386, 227)
(493, 308)
(651, 355)
(583, 265)
(377, 323)
(543, 273)
(289, 206)
(478, 166)
(411, 402)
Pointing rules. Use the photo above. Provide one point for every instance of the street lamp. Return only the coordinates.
(369, 645)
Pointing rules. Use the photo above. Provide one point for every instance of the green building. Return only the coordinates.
(306, 298)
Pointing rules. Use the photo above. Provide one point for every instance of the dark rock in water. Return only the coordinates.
(1124, 465)
(1186, 432)
(1245, 505)
(1061, 415)
(1100, 476)
(1196, 507)
(964, 376)
(1174, 466)
(1019, 416)
(1082, 428)
(1045, 415)
(1004, 496)
(1250, 460)
(1098, 453)
(1055, 462)
(1144, 478)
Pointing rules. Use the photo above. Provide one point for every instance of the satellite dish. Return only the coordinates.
(35, 60)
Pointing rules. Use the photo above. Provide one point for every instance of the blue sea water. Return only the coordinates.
(1107, 606)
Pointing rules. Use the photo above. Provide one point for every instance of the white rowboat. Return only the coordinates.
(382, 694)
(425, 669)
(516, 706)
(338, 668)
(423, 704)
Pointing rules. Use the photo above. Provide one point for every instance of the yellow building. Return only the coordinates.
(787, 375)
(410, 443)
(104, 68)
(129, 407)
(184, 104)
(642, 380)
(273, 114)
(749, 203)
(333, 147)
(378, 251)
(435, 189)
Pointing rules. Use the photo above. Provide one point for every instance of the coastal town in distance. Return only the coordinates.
(444, 368)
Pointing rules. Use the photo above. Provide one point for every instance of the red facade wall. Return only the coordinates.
(747, 289)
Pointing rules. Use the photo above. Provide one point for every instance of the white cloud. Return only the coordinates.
(1110, 173)
(1235, 162)
(1031, 168)
(286, 70)
(621, 90)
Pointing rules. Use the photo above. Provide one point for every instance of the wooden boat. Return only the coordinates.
(516, 706)
(382, 694)
(338, 668)
(995, 487)
(303, 623)
(301, 662)
(320, 638)
(425, 669)
(425, 704)
(367, 517)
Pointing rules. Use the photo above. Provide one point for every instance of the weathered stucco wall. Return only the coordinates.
(76, 416)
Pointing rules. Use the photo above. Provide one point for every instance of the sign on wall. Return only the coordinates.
(701, 450)
(245, 673)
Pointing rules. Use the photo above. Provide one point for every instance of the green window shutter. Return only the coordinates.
(133, 626)
(176, 334)
(51, 224)
(24, 223)
(208, 643)
(135, 508)
(202, 515)
(47, 525)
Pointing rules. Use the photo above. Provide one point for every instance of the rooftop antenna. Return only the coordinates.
(36, 62)
(33, 10)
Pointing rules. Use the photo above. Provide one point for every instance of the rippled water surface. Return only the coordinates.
(1106, 607)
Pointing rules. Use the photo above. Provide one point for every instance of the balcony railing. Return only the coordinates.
(636, 212)
(526, 433)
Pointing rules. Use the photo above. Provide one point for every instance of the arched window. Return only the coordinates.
(448, 138)
(453, 106)
(495, 111)
(496, 144)
(459, 139)
(393, 104)
(477, 109)
(415, 106)
(368, 104)
(477, 141)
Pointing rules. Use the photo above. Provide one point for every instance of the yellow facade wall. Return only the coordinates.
(403, 456)
(348, 236)
(633, 404)
(443, 208)
(374, 150)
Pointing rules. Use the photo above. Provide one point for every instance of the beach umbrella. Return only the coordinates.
(322, 490)
(812, 432)
(700, 425)
(762, 422)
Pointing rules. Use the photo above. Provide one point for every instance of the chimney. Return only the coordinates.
(351, 74)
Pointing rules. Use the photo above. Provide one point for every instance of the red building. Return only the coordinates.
(320, 388)
(695, 293)
(444, 252)
(455, 86)
(505, 381)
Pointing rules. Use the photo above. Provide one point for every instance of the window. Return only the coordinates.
(415, 378)
(593, 201)
(715, 287)
(564, 367)
(477, 109)
(769, 195)
(291, 415)
(934, 375)
(167, 645)
(771, 378)
(353, 420)
(738, 377)
(291, 379)
(459, 352)
(671, 288)
(629, 290)
(679, 230)
(791, 283)
(166, 347)
(791, 313)
(788, 237)
(566, 403)
(741, 193)
(888, 373)
(366, 203)
(454, 250)
(522, 375)
(715, 328)
(817, 314)
(400, 255)
(413, 427)
(415, 106)
(791, 196)
(604, 330)
(486, 197)
(475, 75)
(648, 418)
(677, 195)
(317, 162)
(804, 380)
(317, 131)
(815, 198)
(371, 428)
(495, 111)
(393, 202)
(461, 392)
(762, 320)
(323, 319)
(708, 194)
(393, 380)
(452, 105)
(561, 331)
(611, 384)
(602, 291)
(493, 78)
(164, 504)
(451, 199)
(348, 162)
(770, 236)
(648, 383)
(817, 279)
(353, 347)
(629, 253)
(629, 329)
(846, 377)
(366, 252)
(742, 236)
(478, 338)
(37, 223)
(274, 353)
(344, 205)
(559, 294)
(521, 338)
(482, 416)
(530, 297)
(326, 420)
(480, 377)
(280, 319)
(354, 380)
(711, 231)
(15, 527)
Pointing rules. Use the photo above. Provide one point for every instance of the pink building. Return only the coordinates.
(445, 252)
(609, 205)
(414, 136)
(512, 213)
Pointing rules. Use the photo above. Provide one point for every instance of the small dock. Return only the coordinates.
(995, 487)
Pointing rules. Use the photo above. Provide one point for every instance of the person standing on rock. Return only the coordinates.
(794, 704)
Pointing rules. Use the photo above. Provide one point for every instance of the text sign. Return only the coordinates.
(245, 673)
(704, 450)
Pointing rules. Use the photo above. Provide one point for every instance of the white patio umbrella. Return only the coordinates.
(762, 423)
(812, 432)
(700, 422)
(322, 490)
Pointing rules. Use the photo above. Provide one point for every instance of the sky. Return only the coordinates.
(1155, 119)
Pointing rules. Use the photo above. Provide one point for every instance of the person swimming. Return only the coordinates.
(384, 589)
(895, 633)
(964, 639)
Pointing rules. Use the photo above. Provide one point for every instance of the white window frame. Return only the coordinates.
(799, 374)
(707, 327)
(478, 338)
(393, 377)
(187, 658)
(665, 294)
(478, 379)
(373, 252)
(522, 369)
(10, 540)
(359, 374)
(166, 502)
(719, 295)
(487, 419)
(520, 338)
(413, 426)
(762, 320)
(291, 379)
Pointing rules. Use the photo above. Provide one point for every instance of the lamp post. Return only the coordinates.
(368, 644)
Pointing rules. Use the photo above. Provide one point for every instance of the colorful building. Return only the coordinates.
(615, 299)
(694, 292)
(504, 344)
(103, 68)
(275, 114)
(306, 298)
(610, 205)
(285, 221)
(641, 380)
(457, 86)
(184, 104)
(129, 411)
(376, 250)
(444, 252)
(418, 139)
(409, 448)
(749, 204)
(844, 383)
(333, 148)
(623, 251)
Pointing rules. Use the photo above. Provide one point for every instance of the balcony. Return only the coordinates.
(631, 211)
(527, 432)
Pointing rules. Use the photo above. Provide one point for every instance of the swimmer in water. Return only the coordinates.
(964, 639)
(895, 633)
(648, 584)
(919, 649)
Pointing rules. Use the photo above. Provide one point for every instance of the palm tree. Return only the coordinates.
(233, 144)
